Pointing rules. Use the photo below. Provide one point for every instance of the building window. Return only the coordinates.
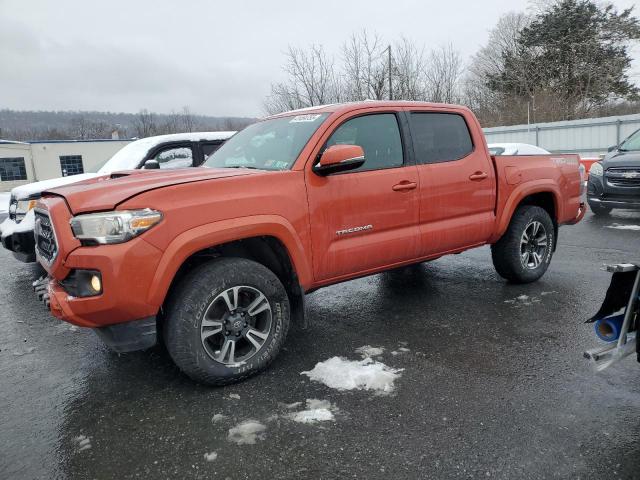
(71, 165)
(12, 169)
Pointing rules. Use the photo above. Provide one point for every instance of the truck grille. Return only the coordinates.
(623, 177)
(13, 205)
(45, 237)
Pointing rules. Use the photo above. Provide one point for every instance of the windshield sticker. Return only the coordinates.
(305, 118)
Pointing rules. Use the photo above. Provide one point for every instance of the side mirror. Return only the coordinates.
(612, 148)
(151, 165)
(340, 158)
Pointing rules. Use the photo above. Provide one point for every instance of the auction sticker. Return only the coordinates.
(305, 118)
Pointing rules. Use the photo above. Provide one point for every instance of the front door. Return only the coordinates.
(366, 218)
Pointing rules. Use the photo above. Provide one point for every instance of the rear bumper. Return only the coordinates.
(22, 245)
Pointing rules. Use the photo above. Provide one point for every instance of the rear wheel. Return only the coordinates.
(524, 252)
(226, 321)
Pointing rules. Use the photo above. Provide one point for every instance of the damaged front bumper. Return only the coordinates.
(122, 337)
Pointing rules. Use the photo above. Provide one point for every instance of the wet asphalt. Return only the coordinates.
(490, 388)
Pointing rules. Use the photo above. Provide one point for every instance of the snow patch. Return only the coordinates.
(366, 374)
(317, 411)
(83, 442)
(247, 432)
(218, 417)
(9, 227)
(293, 405)
(210, 457)
(369, 351)
(233, 396)
(524, 300)
(624, 227)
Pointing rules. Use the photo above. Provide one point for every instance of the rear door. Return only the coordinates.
(367, 218)
(458, 185)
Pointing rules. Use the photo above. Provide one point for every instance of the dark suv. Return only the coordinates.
(614, 182)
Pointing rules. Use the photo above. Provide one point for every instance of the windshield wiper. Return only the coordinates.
(243, 166)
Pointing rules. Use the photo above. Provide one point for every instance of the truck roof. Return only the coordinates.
(349, 106)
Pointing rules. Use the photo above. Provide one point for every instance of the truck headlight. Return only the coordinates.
(596, 170)
(113, 227)
(23, 207)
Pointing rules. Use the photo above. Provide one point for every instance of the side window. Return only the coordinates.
(71, 165)
(440, 137)
(379, 137)
(209, 148)
(175, 157)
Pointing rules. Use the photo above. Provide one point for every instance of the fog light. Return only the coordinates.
(83, 283)
(96, 284)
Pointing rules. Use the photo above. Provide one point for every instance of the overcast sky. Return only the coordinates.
(218, 58)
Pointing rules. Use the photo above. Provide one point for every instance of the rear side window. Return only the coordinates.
(440, 137)
(379, 137)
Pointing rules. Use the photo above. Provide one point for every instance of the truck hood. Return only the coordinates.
(106, 192)
(622, 159)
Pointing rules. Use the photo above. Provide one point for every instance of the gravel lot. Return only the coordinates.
(492, 386)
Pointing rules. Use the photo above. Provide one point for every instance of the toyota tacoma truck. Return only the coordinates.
(177, 150)
(615, 181)
(216, 260)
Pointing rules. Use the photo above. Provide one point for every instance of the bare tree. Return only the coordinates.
(145, 124)
(311, 81)
(187, 119)
(443, 75)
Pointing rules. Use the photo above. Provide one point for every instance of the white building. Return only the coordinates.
(26, 162)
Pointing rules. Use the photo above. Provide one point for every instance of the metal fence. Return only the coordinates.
(589, 137)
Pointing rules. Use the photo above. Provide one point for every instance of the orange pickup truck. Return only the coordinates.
(219, 258)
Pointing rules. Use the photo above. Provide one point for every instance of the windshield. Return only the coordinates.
(269, 145)
(632, 143)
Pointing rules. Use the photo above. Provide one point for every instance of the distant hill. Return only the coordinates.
(63, 125)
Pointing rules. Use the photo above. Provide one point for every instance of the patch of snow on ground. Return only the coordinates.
(366, 374)
(210, 457)
(233, 396)
(369, 351)
(247, 432)
(83, 442)
(317, 411)
(624, 227)
(293, 405)
(218, 417)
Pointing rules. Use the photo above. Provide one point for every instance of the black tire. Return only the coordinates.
(197, 294)
(599, 210)
(507, 253)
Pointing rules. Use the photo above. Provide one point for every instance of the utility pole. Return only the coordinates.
(390, 84)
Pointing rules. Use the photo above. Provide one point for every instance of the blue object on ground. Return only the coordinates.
(608, 329)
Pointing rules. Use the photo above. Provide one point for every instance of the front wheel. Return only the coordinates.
(523, 253)
(226, 321)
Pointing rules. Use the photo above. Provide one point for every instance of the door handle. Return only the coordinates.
(404, 186)
(478, 176)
